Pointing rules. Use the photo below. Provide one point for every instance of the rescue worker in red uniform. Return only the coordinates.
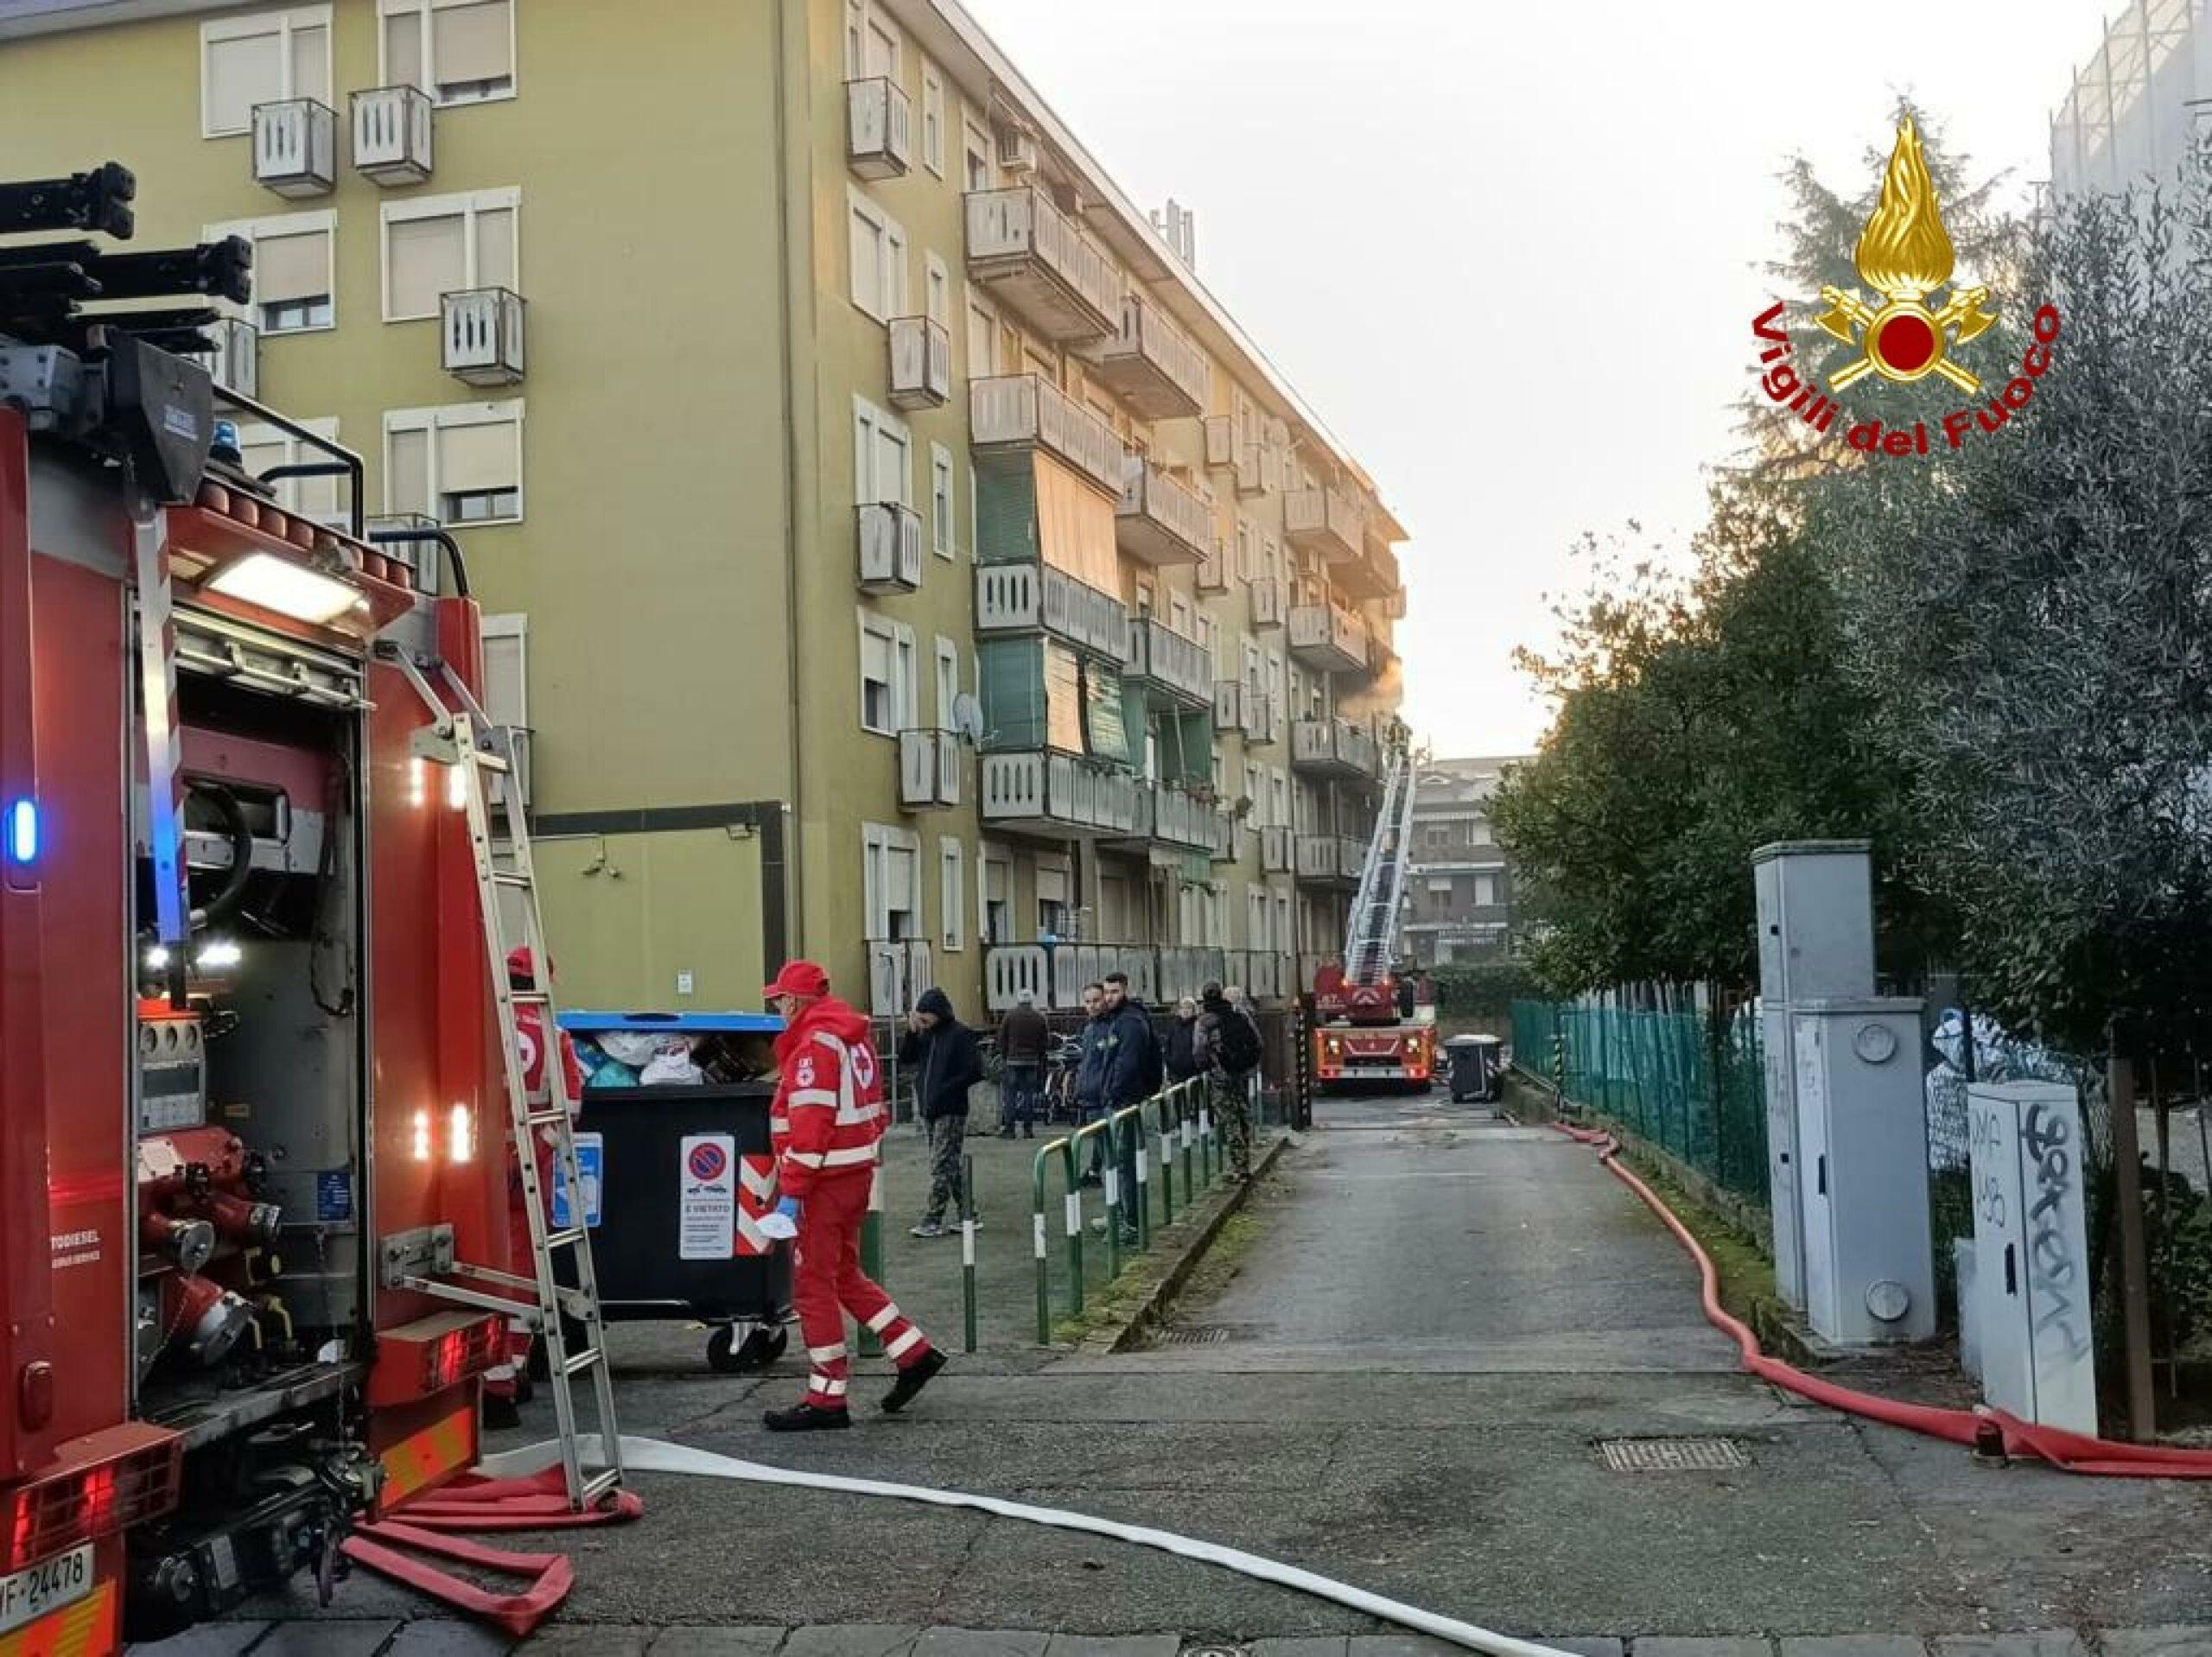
(826, 1122)
(507, 1386)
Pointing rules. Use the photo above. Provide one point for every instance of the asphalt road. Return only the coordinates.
(1403, 1387)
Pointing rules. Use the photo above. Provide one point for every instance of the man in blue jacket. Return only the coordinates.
(1092, 1056)
(1134, 1067)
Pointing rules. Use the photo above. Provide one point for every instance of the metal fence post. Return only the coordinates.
(1136, 1127)
(1110, 1131)
(1075, 1224)
(1037, 1233)
(1167, 1109)
(968, 1251)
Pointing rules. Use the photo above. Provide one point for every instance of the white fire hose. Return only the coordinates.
(657, 1456)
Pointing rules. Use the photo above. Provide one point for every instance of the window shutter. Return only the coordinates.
(495, 248)
(425, 257)
(241, 72)
(1006, 513)
(291, 267)
(408, 488)
(259, 448)
(1063, 699)
(1052, 885)
(311, 63)
(474, 458)
(469, 42)
(995, 873)
(403, 51)
(899, 889)
(504, 697)
(1105, 728)
(876, 656)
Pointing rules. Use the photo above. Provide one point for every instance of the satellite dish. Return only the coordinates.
(967, 717)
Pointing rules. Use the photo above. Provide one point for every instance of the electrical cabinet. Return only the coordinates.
(2031, 1259)
(1862, 1164)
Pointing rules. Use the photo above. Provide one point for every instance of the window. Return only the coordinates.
(263, 58)
(261, 448)
(976, 160)
(458, 51)
(1485, 890)
(872, 42)
(982, 339)
(294, 275)
(948, 681)
(1254, 791)
(1203, 635)
(994, 909)
(888, 688)
(460, 464)
(444, 245)
(882, 452)
(890, 883)
(1479, 833)
(507, 683)
(952, 908)
(1244, 566)
(1051, 903)
(879, 259)
(941, 500)
(933, 126)
(936, 291)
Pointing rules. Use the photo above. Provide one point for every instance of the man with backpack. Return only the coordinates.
(1230, 1052)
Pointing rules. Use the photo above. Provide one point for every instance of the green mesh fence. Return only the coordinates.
(1674, 1079)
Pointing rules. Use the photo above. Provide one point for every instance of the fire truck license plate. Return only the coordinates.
(29, 1595)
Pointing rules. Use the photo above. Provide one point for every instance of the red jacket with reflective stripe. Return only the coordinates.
(829, 1111)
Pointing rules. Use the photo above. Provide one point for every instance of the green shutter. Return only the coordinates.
(1006, 510)
(1012, 679)
(1106, 731)
(1186, 748)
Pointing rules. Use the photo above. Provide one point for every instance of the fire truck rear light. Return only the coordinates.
(460, 1135)
(85, 1503)
(289, 589)
(23, 831)
(422, 1136)
(457, 787)
(218, 957)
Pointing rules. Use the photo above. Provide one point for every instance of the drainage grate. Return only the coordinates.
(1201, 1334)
(1217, 1651)
(1672, 1455)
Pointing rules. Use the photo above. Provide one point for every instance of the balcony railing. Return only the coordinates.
(1182, 820)
(1179, 669)
(921, 363)
(235, 358)
(1028, 411)
(1152, 365)
(482, 329)
(1363, 577)
(879, 127)
(1037, 597)
(1158, 521)
(1037, 258)
(1058, 796)
(898, 972)
(1334, 747)
(1324, 521)
(929, 770)
(295, 147)
(1051, 976)
(1251, 714)
(1330, 860)
(1278, 851)
(1328, 639)
(392, 134)
(890, 548)
(1269, 604)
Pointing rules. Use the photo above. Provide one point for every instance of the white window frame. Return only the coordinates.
(422, 9)
(952, 890)
(464, 206)
(941, 538)
(933, 119)
(435, 420)
(936, 290)
(947, 657)
(890, 262)
(905, 694)
(868, 423)
(877, 841)
(976, 136)
(281, 23)
(323, 220)
(859, 14)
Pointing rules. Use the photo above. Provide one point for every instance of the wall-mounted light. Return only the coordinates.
(289, 589)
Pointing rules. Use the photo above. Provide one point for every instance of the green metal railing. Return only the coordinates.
(1179, 1124)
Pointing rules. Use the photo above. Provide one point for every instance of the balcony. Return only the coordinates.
(391, 135)
(1364, 578)
(921, 363)
(1051, 976)
(890, 548)
(1278, 851)
(898, 972)
(1037, 259)
(1268, 603)
(1326, 522)
(1170, 817)
(929, 770)
(1237, 708)
(1328, 639)
(879, 128)
(1038, 598)
(1334, 748)
(1158, 521)
(1221, 440)
(1152, 365)
(1058, 796)
(482, 331)
(234, 355)
(1382, 660)
(1177, 670)
(1186, 968)
(1330, 860)
(1019, 411)
(295, 147)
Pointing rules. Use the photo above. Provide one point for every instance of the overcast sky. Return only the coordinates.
(1509, 254)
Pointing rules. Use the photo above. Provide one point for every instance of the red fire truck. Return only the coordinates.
(250, 1089)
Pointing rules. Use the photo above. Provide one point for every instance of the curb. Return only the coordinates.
(1154, 1305)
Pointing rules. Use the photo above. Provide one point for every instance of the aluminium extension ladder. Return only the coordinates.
(1370, 938)
(462, 736)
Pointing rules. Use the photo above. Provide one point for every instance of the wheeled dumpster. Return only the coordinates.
(1476, 1065)
(676, 1180)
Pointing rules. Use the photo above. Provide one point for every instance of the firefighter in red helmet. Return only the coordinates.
(506, 1385)
(828, 1117)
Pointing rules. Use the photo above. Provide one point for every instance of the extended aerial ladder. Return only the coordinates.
(1371, 932)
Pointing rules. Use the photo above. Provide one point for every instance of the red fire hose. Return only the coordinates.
(2070, 1452)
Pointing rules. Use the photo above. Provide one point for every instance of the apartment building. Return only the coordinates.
(893, 553)
(1459, 881)
(2138, 107)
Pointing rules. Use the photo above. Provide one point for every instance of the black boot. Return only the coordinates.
(915, 1377)
(807, 1418)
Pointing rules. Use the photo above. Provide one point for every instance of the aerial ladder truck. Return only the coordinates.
(258, 1068)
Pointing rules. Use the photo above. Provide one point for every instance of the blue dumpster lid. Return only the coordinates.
(583, 1023)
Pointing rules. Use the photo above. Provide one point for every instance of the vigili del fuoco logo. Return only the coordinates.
(1905, 256)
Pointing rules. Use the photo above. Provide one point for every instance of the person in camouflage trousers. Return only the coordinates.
(1229, 1051)
(942, 1051)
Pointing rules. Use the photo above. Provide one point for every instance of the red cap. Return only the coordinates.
(799, 977)
(521, 963)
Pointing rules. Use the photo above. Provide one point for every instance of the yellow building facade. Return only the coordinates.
(893, 554)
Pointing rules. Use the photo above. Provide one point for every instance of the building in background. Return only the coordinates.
(894, 555)
(1459, 889)
(2137, 109)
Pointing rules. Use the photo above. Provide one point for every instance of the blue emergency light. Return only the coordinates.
(23, 832)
